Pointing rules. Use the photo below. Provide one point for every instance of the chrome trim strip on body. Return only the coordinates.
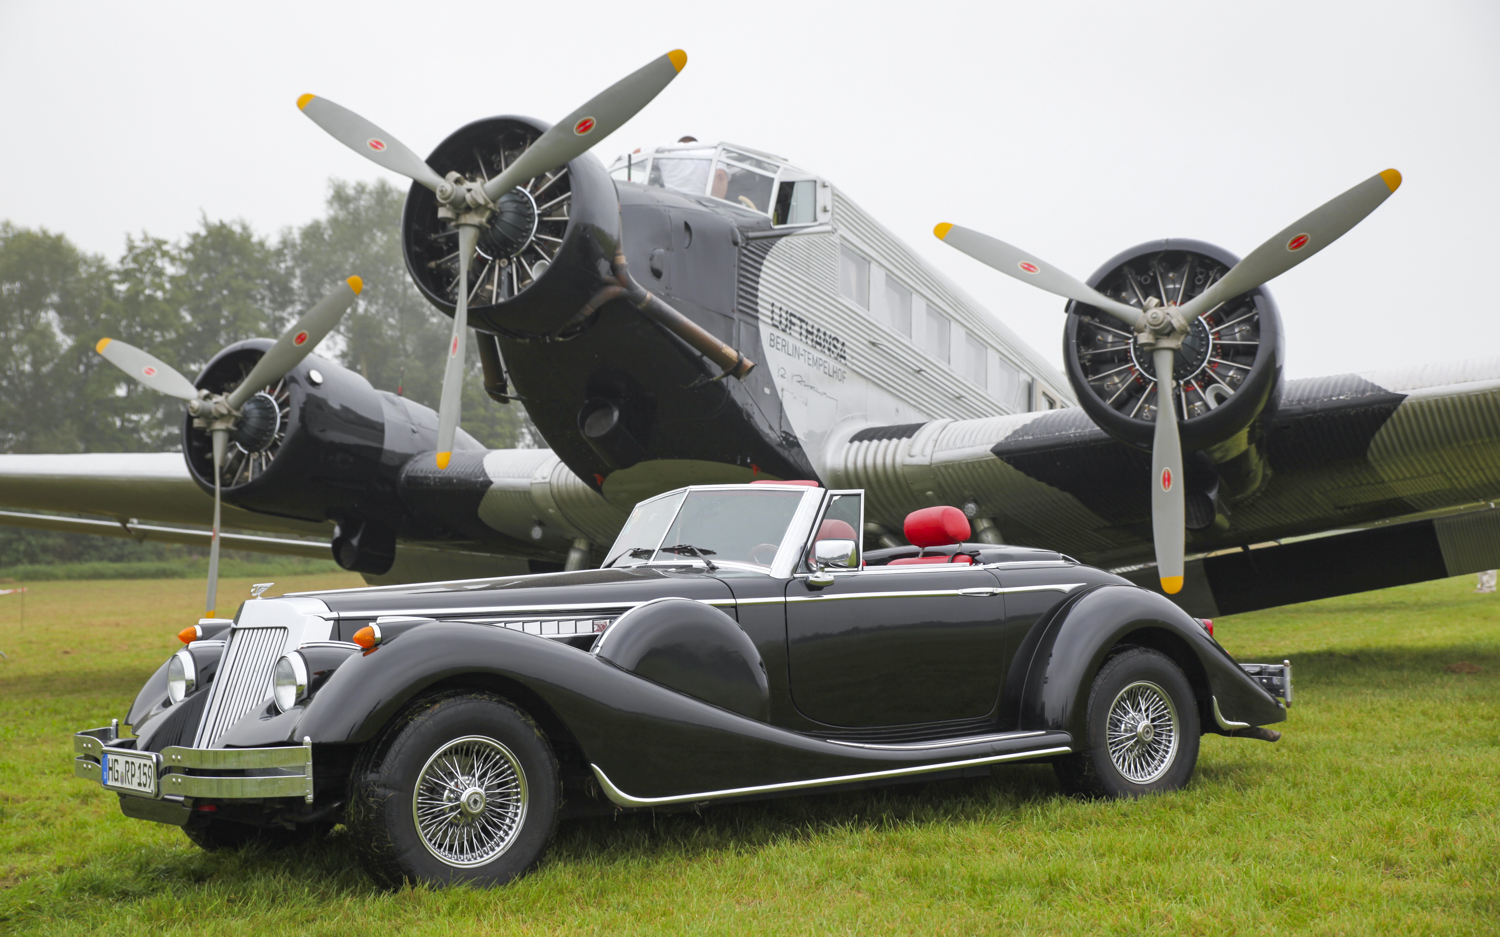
(944, 743)
(623, 799)
(987, 591)
(1228, 725)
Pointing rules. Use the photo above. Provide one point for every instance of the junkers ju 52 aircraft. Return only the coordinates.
(711, 313)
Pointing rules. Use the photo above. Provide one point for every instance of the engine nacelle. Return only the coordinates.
(321, 444)
(1228, 369)
(544, 253)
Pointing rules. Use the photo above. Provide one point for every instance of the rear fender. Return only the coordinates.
(1063, 652)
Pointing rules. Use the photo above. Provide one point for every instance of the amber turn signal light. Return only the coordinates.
(190, 634)
(367, 637)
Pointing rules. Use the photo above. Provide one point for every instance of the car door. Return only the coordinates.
(895, 645)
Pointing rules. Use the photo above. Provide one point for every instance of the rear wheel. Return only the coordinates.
(463, 788)
(1141, 730)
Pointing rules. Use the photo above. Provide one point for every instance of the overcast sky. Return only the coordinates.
(1073, 130)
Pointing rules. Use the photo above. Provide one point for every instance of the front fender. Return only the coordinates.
(1064, 651)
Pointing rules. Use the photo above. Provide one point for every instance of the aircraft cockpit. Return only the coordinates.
(751, 179)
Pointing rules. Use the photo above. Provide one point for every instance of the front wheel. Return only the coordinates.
(463, 788)
(1141, 731)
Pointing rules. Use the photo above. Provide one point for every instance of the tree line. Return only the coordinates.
(185, 299)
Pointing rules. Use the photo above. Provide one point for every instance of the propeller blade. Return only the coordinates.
(297, 342)
(1012, 261)
(1305, 237)
(1168, 517)
(368, 140)
(147, 369)
(453, 375)
(221, 441)
(570, 137)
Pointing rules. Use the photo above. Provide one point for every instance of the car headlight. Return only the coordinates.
(182, 675)
(289, 681)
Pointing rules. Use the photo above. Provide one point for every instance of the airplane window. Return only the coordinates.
(1023, 398)
(854, 277)
(796, 202)
(688, 175)
(632, 170)
(742, 186)
(939, 335)
(898, 306)
(1009, 390)
(976, 361)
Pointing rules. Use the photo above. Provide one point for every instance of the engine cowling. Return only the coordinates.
(543, 254)
(320, 444)
(1228, 369)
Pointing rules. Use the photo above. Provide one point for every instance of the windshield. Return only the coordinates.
(685, 172)
(643, 531)
(736, 525)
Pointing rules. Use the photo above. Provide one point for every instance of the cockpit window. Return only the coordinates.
(743, 186)
(796, 202)
(683, 171)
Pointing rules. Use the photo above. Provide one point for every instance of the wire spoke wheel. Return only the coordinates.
(1142, 732)
(470, 801)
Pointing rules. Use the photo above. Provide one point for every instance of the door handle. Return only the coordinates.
(992, 591)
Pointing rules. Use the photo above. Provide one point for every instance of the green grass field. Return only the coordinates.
(1375, 814)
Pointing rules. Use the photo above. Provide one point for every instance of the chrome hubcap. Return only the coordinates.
(1142, 732)
(470, 801)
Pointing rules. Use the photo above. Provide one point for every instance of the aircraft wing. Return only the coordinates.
(1341, 453)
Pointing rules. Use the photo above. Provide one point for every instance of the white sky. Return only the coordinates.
(1073, 130)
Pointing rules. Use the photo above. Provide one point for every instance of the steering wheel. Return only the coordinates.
(763, 553)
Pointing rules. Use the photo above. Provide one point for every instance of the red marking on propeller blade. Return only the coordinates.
(1298, 242)
(149, 371)
(584, 126)
(1029, 267)
(374, 144)
(299, 338)
(1166, 479)
(454, 350)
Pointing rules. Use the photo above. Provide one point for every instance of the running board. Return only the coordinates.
(622, 799)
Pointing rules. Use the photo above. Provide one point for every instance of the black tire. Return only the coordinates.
(215, 835)
(1131, 686)
(485, 839)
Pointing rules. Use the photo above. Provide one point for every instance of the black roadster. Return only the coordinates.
(737, 643)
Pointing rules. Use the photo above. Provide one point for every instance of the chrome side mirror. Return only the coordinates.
(831, 554)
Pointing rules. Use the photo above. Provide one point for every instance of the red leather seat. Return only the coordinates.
(835, 530)
(935, 527)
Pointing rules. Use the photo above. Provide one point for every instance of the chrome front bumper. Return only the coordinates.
(285, 771)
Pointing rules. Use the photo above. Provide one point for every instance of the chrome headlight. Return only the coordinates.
(182, 675)
(289, 681)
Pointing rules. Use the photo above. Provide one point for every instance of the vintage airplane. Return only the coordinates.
(711, 313)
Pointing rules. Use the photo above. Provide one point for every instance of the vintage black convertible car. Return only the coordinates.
(737, 643)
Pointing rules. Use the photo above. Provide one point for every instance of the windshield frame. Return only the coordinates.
(787, 554)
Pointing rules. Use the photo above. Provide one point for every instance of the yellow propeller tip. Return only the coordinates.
(305, 100)
(942, 230)
(103, 343)
(356, 284)
(1171, 585)
(678, 57)
(442, 459)
(1392, 179)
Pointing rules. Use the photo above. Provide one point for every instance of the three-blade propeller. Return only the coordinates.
(220, 414)
(471, 201)
(1160, 330)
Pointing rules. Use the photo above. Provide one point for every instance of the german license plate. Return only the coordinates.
(123, 771)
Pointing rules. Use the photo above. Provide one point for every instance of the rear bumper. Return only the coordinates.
(200, 773)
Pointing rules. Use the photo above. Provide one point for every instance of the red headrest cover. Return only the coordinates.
(805, 483)
(936, 527)
(835, 530)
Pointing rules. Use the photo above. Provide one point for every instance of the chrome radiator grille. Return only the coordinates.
(243, 680)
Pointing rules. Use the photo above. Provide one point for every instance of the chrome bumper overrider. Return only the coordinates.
(285, 771)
